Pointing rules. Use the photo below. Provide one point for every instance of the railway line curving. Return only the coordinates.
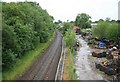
(45, 67)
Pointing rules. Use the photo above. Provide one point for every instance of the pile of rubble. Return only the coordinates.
(109, 50)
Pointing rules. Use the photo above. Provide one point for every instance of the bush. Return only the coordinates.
(112, 32)
(8, 57)
(107, 30)
(100, 29)
(70, 38)
(24, 25)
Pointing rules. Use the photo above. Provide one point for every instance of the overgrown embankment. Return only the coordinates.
(26, 31)
(26, 61)
(69, 37)
(69, 68)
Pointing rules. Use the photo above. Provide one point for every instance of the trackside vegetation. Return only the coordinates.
(25, 28)
(69, 38)
(25, 61)
(70, 42)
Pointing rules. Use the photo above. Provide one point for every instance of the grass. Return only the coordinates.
(24, 63)
(0, 76)
(69, 69)
(73, 66)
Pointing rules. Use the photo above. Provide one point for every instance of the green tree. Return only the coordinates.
(100, 29)
(107, 30)
(66, 27)
(70, 38)
(83, 20)
(100, 20)
(24, 25)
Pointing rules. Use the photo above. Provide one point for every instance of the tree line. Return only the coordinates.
(104, 29)
(24, 25)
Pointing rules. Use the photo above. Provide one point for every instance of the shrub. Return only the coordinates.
(70, 38)
(107, 30)
(24, 25)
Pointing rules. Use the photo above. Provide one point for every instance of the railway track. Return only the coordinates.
(44, 68)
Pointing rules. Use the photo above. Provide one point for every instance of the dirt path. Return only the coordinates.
(85, 69)
(44, 68)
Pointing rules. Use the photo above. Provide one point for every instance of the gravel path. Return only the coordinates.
(44, 68)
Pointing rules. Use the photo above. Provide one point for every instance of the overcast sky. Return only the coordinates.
(68, 9)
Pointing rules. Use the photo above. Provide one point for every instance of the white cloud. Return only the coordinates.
(68, 9)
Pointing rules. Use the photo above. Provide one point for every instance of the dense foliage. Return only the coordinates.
(24, 25)
(69, 34)
(107, 30)
(70, 38)
(83, 21)
(66, 27)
